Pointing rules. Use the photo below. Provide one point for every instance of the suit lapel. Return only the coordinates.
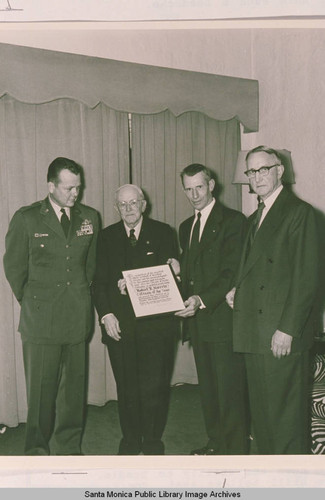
(144, 235)
(121, 245)
(147, 234)
(75, 222)
(211, 227)
(143, 243)
(209, 233)
(50, 218)
(265, 233)
(187, 232)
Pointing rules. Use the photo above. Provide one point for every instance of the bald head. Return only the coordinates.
(130, 203)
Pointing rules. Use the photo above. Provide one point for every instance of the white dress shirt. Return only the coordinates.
(205, 212)
(57, 209)
(137, 229)
(268, 202)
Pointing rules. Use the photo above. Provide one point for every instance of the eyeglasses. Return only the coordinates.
(263, 171)
(123, 205)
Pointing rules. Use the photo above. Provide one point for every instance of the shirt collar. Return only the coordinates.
(205, 212)
(137, 228)
(57, 208)
(268, 202)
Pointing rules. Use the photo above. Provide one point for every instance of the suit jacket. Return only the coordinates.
(156, 244)
(50, 274)
(214, 270)
(277, 283)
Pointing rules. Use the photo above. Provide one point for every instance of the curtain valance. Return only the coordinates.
(37, 76)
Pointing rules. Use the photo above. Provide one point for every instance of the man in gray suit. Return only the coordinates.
(273, 307)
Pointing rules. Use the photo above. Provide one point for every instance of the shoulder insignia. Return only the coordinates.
(36, 204)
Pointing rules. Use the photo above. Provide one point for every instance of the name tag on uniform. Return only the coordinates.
(40, 235)
(85, 228)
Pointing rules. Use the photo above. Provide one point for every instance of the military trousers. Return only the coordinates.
(55, 383)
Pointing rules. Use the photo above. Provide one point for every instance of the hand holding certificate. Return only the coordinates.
(153, 290)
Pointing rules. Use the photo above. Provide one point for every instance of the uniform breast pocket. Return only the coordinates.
(84, 239)
(41, 254)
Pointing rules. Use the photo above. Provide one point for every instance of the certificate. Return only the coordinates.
(153, 290)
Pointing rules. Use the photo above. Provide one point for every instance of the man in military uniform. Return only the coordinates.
(49, 263)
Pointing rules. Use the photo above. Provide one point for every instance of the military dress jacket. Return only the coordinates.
(50, 274)
(213, 271)
(156, 244)
(277, 282)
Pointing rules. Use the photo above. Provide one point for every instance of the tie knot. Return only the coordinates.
(63, 211)
(260, 205)
(132, 238)
(198, 215)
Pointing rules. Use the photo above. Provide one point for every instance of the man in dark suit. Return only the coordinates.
(211, 243)
(273, 307)
(49, 263)
(140, 350)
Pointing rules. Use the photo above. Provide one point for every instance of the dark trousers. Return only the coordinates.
(279, 402)
(142, 365)
(55, 382)
(222, 384)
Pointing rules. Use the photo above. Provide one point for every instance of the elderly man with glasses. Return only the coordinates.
(273, 303)
(140, 350)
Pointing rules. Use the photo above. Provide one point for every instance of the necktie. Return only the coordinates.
(65, 222)
(257, 218)
(194, 245)
(132, 238)
(196, 235)
(254, 226)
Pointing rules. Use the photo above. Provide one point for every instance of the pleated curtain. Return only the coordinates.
(32, 135)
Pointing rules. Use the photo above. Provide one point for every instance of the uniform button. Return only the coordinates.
(260, 311)
(262, 287)
(34, 297)
(67, 246)
(68, 270)
(68, 258)
(68, 283)
(191, 282)
(42, 245)
(58, 284)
